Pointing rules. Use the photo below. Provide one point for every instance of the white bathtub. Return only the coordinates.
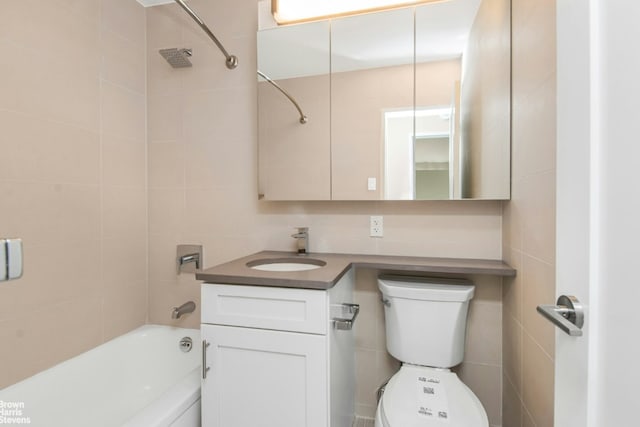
(140, 379)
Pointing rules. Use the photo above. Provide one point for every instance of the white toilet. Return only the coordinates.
(426, 324)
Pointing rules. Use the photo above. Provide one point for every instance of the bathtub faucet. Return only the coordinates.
(187, 307)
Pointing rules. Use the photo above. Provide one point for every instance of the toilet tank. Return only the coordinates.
(425, 319)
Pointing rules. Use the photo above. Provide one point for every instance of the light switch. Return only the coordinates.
(14, 258)
(3, 260)
(371, 184)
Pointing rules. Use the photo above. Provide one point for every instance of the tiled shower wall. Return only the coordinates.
(72, 177)
(529, 220)
(203, 189)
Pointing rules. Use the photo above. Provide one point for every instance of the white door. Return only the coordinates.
(264, 378)
(598, 211)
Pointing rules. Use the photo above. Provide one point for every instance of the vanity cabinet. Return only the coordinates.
(274, 356)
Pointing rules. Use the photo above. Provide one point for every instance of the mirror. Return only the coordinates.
(294, 159)
(371, 73)
(417, 106)
(418, 168)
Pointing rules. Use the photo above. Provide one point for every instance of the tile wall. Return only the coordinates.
(72, 177)
(529, 220)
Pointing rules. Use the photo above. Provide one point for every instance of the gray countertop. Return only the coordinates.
(236, 272)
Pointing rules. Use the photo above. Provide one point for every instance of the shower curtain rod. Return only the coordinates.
(232, 60)
(303, 118)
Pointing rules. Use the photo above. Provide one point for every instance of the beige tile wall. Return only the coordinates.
(72, 177)
(203, 189)
(529, 220)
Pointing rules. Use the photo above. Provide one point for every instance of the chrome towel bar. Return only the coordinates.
(345, 320)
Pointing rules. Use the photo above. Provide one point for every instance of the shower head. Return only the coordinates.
(177, 58)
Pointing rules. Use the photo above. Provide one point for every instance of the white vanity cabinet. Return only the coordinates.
(274, 357)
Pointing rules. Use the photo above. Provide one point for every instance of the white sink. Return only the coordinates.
(286, 264)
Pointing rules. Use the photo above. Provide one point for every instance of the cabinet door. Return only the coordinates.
(263, 378)
(294, 159)
(366, 83)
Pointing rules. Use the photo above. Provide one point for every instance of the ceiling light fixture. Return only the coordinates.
(292, 11)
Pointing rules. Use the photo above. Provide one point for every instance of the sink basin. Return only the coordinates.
(286, 264)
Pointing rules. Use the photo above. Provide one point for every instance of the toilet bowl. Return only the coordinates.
(425, 325)
(419, 396)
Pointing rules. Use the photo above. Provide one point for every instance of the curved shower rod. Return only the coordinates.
(303, 118)
(232, 60)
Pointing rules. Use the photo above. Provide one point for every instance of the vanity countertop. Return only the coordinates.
(237, 272)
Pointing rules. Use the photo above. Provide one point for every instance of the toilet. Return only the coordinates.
(425, 327)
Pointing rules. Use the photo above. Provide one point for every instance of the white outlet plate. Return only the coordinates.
(376, 226)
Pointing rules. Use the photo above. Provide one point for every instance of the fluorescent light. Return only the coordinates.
(444, 113)
(150, 3)
(289, 11)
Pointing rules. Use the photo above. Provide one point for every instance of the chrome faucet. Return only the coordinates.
(186, 259)
(187, 307)
(302, 236)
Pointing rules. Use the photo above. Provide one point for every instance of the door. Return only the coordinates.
(598, 211)
(264, 378)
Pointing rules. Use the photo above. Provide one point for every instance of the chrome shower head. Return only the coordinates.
(177, 58)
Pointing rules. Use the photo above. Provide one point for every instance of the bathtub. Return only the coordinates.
(140, 379)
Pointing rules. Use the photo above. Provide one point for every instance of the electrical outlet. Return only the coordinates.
(376, 228)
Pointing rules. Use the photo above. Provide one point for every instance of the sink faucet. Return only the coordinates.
(185, 259)
(187, 307)
(302, 236)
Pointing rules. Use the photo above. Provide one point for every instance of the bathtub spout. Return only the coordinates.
(187, 307)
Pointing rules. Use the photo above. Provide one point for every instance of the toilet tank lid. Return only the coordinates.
(426, 288)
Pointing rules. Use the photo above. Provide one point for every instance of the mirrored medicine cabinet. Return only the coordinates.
(404, 104)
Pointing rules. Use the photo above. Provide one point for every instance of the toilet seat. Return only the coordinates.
(419, 396)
